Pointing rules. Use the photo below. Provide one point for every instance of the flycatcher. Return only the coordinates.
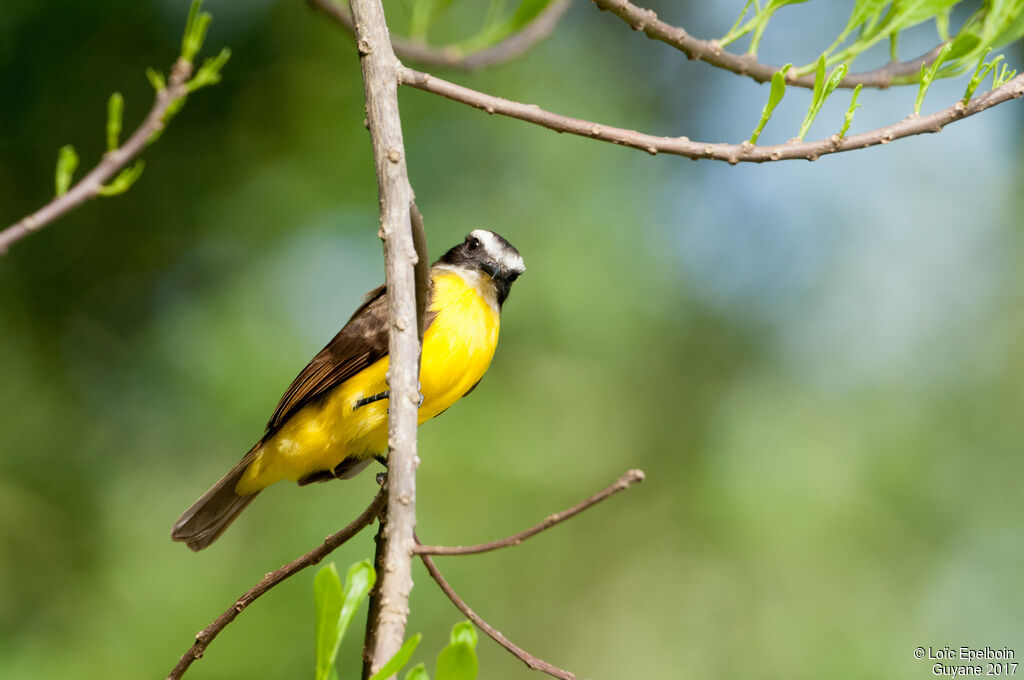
(332, 421)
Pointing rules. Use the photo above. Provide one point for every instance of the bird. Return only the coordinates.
(332, 421)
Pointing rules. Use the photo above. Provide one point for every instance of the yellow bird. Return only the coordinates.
(332, 421)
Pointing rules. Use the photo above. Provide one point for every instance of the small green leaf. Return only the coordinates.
(849, 112)
(115, 113)
(928, 72)
(398, 661)
(335, 607)
(823, 87)
(775, 95)
(124, 180)
(734, 32)
(942, 24)
(464, 632)
(457, 661)
(209, 72)
(1005, 76)
(423, 14)
(762, 18)
(156, 79)
(417, 672)
(963, 45)
(195, 31)
(67, 163)
(358, 582)
(327, 595)
(980, 71)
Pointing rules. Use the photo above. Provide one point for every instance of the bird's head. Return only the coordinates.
(486, 252)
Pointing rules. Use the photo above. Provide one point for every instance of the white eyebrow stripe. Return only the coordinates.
(505, 256)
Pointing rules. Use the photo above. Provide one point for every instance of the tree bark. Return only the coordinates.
(380, 82)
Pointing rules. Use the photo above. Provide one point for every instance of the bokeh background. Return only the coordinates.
(820, 366)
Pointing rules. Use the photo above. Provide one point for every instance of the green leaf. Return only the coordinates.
(1003, 77)
(67, 163)
(964, 44)
(928, 72)
(398, 661)
(457, 661)
(762, 18)
(980, 72)
(734, 32)
(850, 111)
(327, 596)
(209, 72)
(124, 180)
(417, 672)
(865, 13)
(358, 582)
(335, 607)
(115, 114)
(156, 79)
(823, 87)
(423, 14)
(195, 31)
(464, 632)
(775, 95)
(497, 28)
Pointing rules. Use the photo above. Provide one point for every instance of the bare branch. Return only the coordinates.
(380, 84)
(711, 52)
(421, 268)
(314, 556)
(731, 153)
(624, 482)
(454, 57)
(113, 161)
(520, 653)
(374, 604)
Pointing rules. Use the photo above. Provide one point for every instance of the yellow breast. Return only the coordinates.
(457, 349)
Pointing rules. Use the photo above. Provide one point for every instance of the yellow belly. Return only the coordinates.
(457, 349)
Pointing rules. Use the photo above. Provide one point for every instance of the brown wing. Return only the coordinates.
(362, 342)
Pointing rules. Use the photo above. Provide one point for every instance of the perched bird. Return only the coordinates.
(332, 421)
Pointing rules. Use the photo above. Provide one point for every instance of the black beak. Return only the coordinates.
(491, 268)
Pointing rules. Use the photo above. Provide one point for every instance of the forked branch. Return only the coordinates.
(314, 556)
(495, 634)
(624, 482)
(452, 56)
(113, 162)
(713, 54)
(731, 153)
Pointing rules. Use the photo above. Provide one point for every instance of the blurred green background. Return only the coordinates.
(818, 365)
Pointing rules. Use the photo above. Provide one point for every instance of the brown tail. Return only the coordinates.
(208, 517)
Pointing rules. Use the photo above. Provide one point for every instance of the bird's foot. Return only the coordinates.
(369, 400)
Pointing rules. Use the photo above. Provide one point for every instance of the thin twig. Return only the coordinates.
(380, 85)
(113, 161)
(520, 653)
(454, 57)
(731, 153)
(374, 604)
(624, 482)
(712, 53)
(314, 556)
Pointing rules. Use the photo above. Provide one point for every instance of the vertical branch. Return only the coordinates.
(373, 606)
(380, 83)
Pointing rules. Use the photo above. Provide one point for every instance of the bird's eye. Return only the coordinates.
(474, 243)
